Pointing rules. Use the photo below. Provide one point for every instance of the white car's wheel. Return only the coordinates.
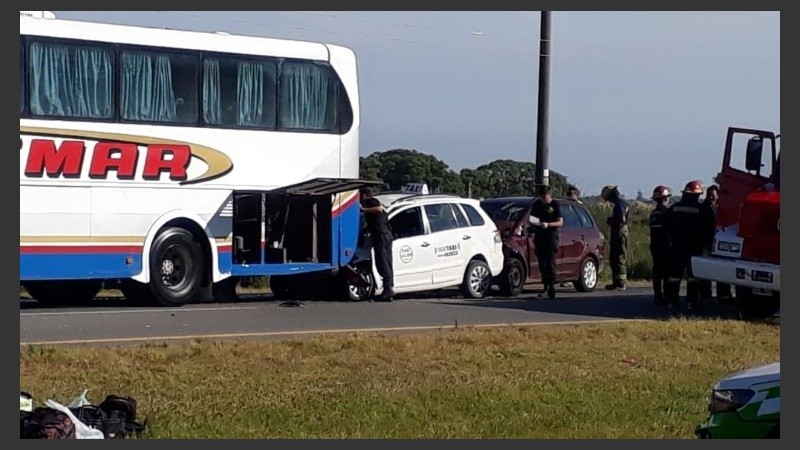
(357, 291)
(477, 279)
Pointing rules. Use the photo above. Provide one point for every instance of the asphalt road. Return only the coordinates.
(111, 322)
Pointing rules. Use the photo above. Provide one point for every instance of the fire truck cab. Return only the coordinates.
(746, 250)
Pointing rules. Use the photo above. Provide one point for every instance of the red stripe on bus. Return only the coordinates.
(346, 205)
(80, 249)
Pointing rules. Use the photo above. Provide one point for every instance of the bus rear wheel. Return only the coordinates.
(177, 268)
(63, 292)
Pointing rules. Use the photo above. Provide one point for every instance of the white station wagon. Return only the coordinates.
(440, 241)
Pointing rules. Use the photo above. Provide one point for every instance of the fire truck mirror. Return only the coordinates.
(753, 154)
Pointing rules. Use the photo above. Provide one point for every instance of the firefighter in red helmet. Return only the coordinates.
(659, 242)
(690, 227)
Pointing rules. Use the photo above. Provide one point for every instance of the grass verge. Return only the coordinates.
(627, 380)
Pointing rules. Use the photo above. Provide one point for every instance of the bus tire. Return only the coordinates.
(177, 267)
(63, 292)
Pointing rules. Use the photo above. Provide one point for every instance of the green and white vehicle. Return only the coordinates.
(745, 405)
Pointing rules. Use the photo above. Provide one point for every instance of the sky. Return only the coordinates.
(637, 99)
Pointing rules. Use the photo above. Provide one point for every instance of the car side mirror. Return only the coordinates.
(753, 153)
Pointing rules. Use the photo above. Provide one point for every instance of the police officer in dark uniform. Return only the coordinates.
(618, 229)
(659, 242)
(381, 238)
(545, 215)
(691, 226)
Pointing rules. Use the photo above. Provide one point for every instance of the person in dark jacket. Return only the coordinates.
(545, 215)
(659, 242)
(618, 242)
(573, 193)
(691, 226)
(381, 238)
(723, 289)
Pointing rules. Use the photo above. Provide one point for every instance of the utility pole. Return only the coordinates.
(542, 169)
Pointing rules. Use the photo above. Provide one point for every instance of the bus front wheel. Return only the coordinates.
(177, 267)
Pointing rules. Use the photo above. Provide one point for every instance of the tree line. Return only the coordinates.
(499, 178)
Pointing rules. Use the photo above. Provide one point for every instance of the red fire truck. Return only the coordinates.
(746, 251)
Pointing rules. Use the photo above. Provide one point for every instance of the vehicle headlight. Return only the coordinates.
(731, 247)
(729, 399)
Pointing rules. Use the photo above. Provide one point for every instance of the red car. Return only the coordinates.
(580, 254)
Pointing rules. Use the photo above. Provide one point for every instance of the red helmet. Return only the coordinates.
(693, 187)
(661, 192)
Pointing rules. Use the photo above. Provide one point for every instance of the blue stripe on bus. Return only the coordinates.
(348, 222)
(225, 260)
(75, 266)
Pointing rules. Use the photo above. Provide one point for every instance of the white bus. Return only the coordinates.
(175, 161)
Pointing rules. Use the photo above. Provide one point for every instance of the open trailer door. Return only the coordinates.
(294, 228)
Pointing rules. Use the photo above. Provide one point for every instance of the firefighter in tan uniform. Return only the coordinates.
(618, 229)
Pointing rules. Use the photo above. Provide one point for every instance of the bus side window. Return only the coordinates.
(158, 87)
(21, 77)
(68, 80)
(239, 92)
(308, 97)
